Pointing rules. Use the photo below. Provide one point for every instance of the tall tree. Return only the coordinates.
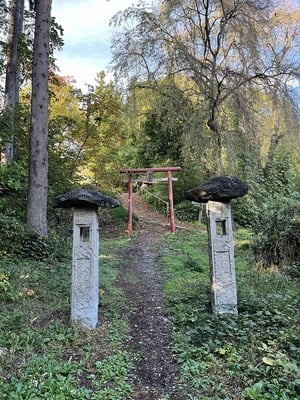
(38, 164)
(11, 96)
(4, 24)
(282, 45)
(66, 121)
(102, 139)
(219, 44)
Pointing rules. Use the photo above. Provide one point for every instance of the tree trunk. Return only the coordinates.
(274, 140)
(38, 162)
(213, 126)
(11, 96)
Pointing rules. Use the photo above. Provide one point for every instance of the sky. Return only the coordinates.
(86, 36)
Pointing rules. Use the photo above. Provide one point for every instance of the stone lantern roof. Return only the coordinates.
(84, 198)
(222, 189)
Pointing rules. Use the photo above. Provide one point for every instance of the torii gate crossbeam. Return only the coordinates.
(149, 172)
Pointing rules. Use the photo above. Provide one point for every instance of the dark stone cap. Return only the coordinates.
(84, 198)
(222, 189)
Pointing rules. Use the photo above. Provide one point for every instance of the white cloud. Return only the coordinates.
(86, 36)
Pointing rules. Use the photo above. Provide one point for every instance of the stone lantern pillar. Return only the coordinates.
(223, 282)
(85, 255)
(217, 193)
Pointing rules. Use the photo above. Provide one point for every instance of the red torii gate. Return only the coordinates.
(149, 172)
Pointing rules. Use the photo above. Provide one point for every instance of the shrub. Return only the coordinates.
(187, 211)
(252, 356)
(277, 240)
(17, 239)
(12, 178)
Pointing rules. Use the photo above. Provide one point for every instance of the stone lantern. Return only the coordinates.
(217, 193)
(85, 255)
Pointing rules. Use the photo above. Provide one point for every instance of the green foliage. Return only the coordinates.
(187, 211)
(279, 177)
(245, 211)
(268, 189)
(101, 140)
(252, 356)
(113, 375)
(118, 215)
(12, 178)
(7, 292)
(114, 219)
(41, 355)
(18, 240)
(164, 125)
(27, 280)
(277, 240)
(43, 377)
(13, 186)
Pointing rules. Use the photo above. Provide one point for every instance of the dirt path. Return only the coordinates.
(139, 278)
(144, 212)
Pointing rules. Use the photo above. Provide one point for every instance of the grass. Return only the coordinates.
(42, 356)
(254, 356)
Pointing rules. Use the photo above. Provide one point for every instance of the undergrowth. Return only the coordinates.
(252, 356)
(42, 356)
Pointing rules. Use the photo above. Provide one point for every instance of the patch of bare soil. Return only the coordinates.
(156, 372)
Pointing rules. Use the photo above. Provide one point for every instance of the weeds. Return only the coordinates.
(254, 356)
(41, 355)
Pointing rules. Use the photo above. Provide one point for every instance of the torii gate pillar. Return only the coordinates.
(149, 172)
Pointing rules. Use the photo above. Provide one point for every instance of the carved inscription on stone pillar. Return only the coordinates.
(85, 276)
(217, 193)
(223, 281)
